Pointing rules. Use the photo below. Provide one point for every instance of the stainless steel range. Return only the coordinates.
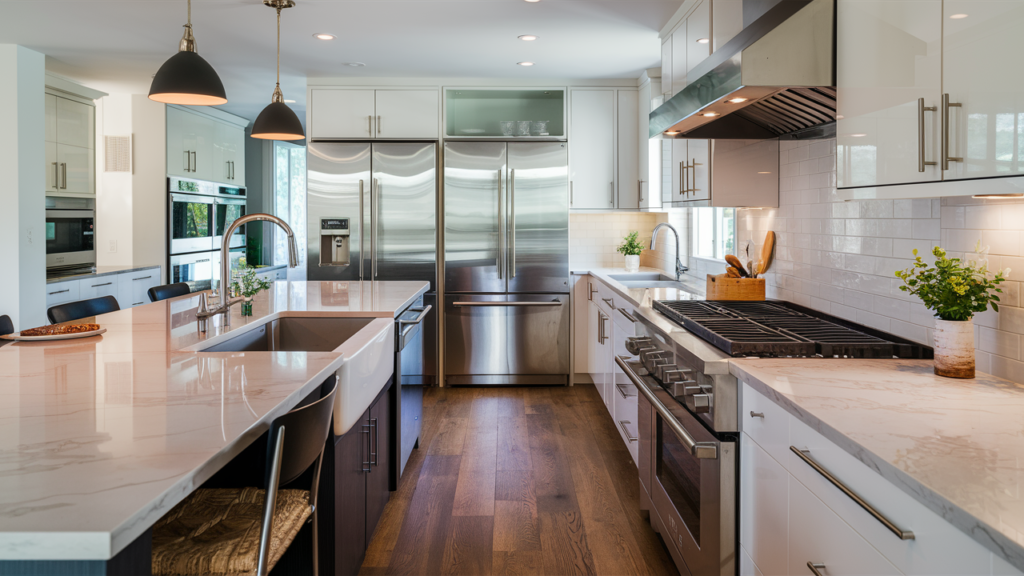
(689, 409)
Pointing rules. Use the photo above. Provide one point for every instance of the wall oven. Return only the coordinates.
(70, 233)
(191, 225)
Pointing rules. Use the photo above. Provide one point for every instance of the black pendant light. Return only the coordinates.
(277, 121)
(186, 78)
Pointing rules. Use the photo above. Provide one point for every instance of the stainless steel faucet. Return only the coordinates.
(654, 238)
(226, 301)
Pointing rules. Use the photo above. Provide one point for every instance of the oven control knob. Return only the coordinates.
(662, 369)
(702, 403)
(635, 345)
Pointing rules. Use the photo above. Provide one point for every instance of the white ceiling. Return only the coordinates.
(117, 45)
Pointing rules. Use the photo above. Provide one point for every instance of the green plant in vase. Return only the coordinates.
(631, 249)
(248, 285)
(955, 290)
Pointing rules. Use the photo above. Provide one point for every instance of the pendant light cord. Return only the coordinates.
(278, 45)
(189, 13)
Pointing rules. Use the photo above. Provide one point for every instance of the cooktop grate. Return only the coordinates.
(779, 329)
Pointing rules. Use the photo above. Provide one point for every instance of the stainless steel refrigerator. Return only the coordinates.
(506, 240)
(373, 216)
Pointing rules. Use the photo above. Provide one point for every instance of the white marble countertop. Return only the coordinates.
(99, 437)
(956, 446)
(101, 271)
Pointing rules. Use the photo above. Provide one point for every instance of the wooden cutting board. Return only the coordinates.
(767, 253)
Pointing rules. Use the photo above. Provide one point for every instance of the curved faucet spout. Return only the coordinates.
(654, 238)
(225, 263)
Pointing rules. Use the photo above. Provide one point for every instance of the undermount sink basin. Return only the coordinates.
(652, 284)
(642, 277)
(295, 335)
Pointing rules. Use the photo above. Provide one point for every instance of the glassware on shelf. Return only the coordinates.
(524, 128)
(540, 128)
(508, 127)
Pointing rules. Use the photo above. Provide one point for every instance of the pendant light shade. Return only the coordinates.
(186, 78)
(277, 121)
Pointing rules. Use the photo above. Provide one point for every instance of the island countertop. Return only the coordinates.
(100, 437)
(956, 446)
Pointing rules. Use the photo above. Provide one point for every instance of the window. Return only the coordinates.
(289, 198)
(714, 232)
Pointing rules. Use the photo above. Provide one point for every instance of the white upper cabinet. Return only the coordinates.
(890, 90)
(679, 45)
(70, 142)
(727, 16)
(204, 148)
(229, 154)
(666, 67)
(698, 35)
(371, 114)
(981, 40)
(649, 151)
(77, 169)
(408, 114)
(51, 118)
(630, 186)
(342, 113)
(75, 124)
(592, 149)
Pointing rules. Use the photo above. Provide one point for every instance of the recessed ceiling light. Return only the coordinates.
(710, 114)
(323, 36)
(859, 135)
(355, 64)
(958, 16)
(703, 41)
(525, 63)
(738, 100)
(533, 0)
(528, 37)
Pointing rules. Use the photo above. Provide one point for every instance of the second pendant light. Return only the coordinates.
(277, 121)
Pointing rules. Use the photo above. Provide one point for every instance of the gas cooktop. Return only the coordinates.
(783, 329)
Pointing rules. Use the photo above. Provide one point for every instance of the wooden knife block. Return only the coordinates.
(721, 287)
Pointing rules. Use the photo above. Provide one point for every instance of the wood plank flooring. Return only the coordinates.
(517, 481)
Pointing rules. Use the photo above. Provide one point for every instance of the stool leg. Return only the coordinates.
(269, 503)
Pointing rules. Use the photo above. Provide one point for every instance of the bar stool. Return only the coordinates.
(82, 309)
(6, 326)
(220, 531)
(166, 291)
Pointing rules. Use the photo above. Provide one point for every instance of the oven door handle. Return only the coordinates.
(702, 450)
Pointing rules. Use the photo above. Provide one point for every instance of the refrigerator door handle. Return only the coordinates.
(504, 304)
(512, 226)
(374, 223)
(362, 235)
(501, 227)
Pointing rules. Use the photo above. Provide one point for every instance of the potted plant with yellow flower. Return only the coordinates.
(955, 289)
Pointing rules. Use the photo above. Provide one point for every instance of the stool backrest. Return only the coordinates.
(306, 430)
(166, 291)
(82, 309)
(6, 326)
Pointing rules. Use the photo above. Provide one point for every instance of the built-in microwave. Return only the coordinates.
(70, 233)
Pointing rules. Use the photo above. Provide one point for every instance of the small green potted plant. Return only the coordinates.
(955, 290)
(248, 285)
(631, 249)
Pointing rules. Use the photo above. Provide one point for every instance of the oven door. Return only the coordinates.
(196, 270)
(693, 483)
(69, 238)
(191, 224)
(226, 212)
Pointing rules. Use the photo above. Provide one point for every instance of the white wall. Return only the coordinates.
(114, 223)
(22, 186)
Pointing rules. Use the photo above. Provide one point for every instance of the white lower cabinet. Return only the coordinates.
(790, 514)
(99, 287)
(133, 287)
(61, 293)
(747, 567)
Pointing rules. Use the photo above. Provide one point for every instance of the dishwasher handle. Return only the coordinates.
(406, 326)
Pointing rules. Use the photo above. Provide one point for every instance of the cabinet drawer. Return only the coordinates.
(97, 287)
(764, 509)
(624, 401)
(769, 424)
(62, 292)
(818, 536)
(133, 287)
(938, 547)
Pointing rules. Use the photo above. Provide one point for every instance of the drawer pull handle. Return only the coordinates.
(143, 278)
(628, 316)
(757, 415)
(60, 291)
(622, 424)
(610, 302)
(137, 303)
(816, 568)
(901, 534)
(98, 285)
(622, 391)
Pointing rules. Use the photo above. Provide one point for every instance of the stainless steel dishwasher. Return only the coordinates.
(407, 391)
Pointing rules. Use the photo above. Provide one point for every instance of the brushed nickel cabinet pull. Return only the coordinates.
(693, 166)
(901, 534)
(64, 175)
(60, 291)
(610, 302)
(628, 316)
(56, 176)
(622, 392)
(639, 192)
(571, 201)
(188, 161)
(625, 431)
(757, 415)
(369, 124)
(921, 109)
(592, 290)
(104, 284)
(611, 199)
(816, 568)
(946, 158)
(378, 125)
(143, 278)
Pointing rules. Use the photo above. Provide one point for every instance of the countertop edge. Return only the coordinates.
(127, 270)
(978, 530)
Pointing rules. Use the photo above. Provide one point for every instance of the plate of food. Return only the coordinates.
(56, 332)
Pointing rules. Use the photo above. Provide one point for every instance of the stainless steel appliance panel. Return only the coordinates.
(196, 270)
(538, 225)
(226, 211)
(538, 334)
(191, 223)
(404, 212)
(407, 393)
(338, 186)
(475, 205)
(476, 337)
(236, 255)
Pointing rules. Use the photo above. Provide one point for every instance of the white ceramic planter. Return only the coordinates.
(954, 348)
(632, 263)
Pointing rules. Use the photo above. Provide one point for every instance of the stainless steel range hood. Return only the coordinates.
(776, 77)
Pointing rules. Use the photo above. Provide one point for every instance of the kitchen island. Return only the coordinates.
(100, 437)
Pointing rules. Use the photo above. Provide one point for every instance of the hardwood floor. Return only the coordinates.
(517, 481)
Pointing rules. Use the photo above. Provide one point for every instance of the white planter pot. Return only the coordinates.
(632, 263)
(954, 348)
